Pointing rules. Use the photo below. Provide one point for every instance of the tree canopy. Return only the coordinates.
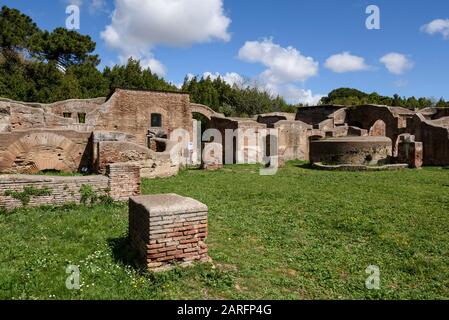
(235, 100)
(64, 47)
(352, 97)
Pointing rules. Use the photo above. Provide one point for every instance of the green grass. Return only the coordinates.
(301, 234)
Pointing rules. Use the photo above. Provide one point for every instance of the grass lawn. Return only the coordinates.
(301, 234)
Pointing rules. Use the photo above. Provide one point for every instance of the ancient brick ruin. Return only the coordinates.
(137, 127)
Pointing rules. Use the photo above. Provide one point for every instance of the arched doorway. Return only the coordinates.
(379, 128)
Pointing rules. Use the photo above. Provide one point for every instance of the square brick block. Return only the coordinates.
(167, 229)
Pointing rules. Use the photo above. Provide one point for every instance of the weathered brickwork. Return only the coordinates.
(34, 150)
(133, 125)
(110, 152)
(61, 189)
(122, 182)
(131, 112)
(168, 229)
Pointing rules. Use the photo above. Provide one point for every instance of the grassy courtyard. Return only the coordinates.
(301, 234)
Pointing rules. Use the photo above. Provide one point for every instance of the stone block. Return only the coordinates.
(168, 229)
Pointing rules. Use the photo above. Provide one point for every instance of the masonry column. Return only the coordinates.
(410, 151)
(124, 180)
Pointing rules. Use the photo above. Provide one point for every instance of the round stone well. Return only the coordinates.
(370, 151)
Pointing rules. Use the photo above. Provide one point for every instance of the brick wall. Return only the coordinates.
(34, 150)
(110, 152)
(62, 189)
(122, 182)
(130, 111)
(168, 228)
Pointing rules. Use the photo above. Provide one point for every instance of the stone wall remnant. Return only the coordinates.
(122, 182)
(410, 151)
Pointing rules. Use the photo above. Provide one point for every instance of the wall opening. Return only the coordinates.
(81, 117)
(156, 120)
(379, 129)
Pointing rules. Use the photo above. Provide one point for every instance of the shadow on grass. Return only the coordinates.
(123, 253)
(306, 165)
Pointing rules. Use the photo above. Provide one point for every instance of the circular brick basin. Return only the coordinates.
(370, 151)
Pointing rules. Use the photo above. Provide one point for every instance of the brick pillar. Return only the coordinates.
(167, 229)
(124, 180)
(410, 151)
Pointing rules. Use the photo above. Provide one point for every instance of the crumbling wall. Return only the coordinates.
(315, 115)
(130, 111)
(293, 142)
(368, 116)
(120, 151)
(435, 140)
(270, 119)
(122, 182)
(61, 190)
(34, 150)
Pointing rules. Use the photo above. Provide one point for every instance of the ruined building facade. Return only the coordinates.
(133, 126)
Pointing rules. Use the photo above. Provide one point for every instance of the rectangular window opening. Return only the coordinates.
(81, 117)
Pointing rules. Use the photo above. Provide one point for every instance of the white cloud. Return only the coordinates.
(290, 92)
(284, 64)
(231, 78)
(285, 67)
(146, 61)
(437, 26)
(397, 63)
(137, 26)
(345, 62)
(155, 66)
(294, 95)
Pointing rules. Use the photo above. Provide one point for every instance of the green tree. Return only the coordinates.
(90, 80)
(441, 104)
(133, 76)
(16, 29)
(65, 47)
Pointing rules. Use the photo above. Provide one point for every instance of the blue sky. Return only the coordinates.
(330, 46)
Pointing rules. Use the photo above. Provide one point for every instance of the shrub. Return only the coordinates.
(88, 194)
(25, 196)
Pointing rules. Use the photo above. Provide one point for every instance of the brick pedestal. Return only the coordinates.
(168, 229)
